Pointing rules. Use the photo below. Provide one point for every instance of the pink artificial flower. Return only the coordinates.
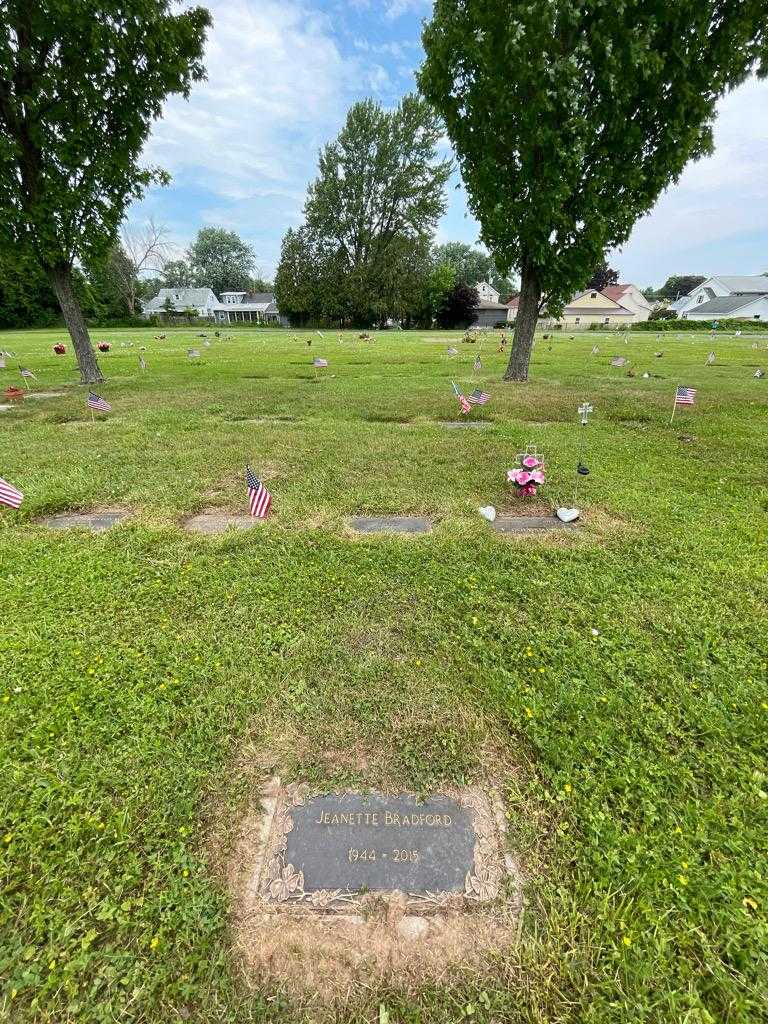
(537, 476)
(530, 462)
(512, 475)
(523, 478)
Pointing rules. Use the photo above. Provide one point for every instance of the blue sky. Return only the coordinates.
(281, 76)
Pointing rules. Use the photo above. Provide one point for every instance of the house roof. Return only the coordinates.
(491, 305)
(181, 297)
(615, 291)
(617, 310)
(726, 304)
(755, 285)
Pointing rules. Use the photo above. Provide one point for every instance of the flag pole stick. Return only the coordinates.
(674, 408)
(93, 417)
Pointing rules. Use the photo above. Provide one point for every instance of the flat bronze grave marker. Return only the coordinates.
(96, 522)
(459, 425)
(391, 524)
(329, 850)
(529, 524)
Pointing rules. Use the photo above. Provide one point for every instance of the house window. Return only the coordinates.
(607, 320)
(700, 298)
(757, 316)
(593, 295)
(577, 320)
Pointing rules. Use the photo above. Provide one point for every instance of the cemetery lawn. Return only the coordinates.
(613, 683)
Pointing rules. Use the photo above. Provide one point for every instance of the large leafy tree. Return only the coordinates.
(369, 216)
(570, 117)
(221, 260)
(472, 265)
(458, 306)
(80, 84)
(602, 277)
(680, 284)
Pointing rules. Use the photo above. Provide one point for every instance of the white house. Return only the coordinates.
(486, 292)
(179, 300)
(630, 296)
(725, 298)
(235, 307)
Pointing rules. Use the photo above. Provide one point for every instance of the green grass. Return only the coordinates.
(138, 664)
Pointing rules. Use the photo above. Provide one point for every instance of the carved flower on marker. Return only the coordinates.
(484, 884)
(287, 883)
(324, 897)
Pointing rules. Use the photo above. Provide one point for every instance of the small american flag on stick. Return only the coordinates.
(98, 404)
(26, 373)
(478, 397)
(319, 363)
(477, 366)
(259, 498)
(9, 495)
(142, 363)
(685, 396)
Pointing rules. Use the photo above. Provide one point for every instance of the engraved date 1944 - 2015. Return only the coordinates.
(398, 856)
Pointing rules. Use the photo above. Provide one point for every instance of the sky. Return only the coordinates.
(281, 77)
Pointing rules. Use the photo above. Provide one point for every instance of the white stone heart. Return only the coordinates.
(488, 512)
(567, 515)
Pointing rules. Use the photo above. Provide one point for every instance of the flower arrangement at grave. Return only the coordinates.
(104, 346)
(529, 475)
(60, 348)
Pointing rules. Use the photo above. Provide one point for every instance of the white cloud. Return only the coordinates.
(396, 8)
(275, 91)
(719, 204)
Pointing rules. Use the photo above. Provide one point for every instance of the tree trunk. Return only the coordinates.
(525, 324)
(61, 279)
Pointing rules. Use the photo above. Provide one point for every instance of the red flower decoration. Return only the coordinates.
(59, 348)
(104, 346)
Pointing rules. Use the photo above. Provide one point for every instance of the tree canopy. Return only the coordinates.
(221, 260)
(80, 84)
(678, 285)
(362, 253)
(602, 277)
(569, 118)
(472, 266)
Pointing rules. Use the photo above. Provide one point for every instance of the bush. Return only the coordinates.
(679, 326)
(663, 313)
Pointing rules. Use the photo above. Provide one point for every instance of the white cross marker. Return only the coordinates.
(584, 410)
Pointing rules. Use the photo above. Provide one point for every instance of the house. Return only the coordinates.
(234, 307)
(201, 301)
(488, 314)
(486, 292)
(619, 304)
(723, 298)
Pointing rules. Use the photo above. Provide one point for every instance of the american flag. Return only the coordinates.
(193, 353)
(710, 358)
(142, 363)
(318, 363)
(26, 373)
(477, 364)
(9, 495)
(463, 403)
(478, 397)
(685, 396)
(94, 402)
(259, 498)
(595, 351)
(618, 361)
(452, 351)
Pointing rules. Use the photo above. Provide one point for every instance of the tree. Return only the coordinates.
(458, 308)
(569, 119)
(177, 274)
(437, 288)
(603, 277)
(649, 293)
(108, 279)
(472, 265)
(662, 313)
(370, 215)
(141, 249)
(80, 84)
(221, 260)
(676, 286)
(261, 285)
